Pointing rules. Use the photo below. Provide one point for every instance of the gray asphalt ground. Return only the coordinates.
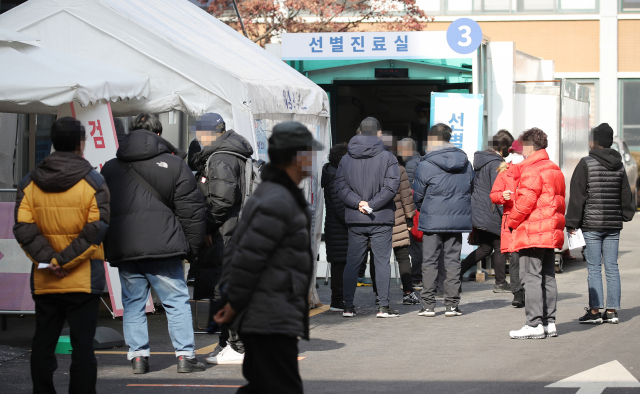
(468, 354)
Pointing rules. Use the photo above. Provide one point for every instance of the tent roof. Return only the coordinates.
(196, 63)
(38, 80)
(13, 36)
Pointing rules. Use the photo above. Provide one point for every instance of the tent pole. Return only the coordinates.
(235, 6)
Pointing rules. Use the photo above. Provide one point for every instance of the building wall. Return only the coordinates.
(628, 45)
(573, 45)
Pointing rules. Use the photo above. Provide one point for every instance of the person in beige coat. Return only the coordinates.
(400, 241)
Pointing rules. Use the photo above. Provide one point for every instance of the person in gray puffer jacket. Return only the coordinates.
(269, 266)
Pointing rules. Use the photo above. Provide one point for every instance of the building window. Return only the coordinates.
(631, 5)
(630, 116)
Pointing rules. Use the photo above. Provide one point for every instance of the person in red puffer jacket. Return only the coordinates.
(504, 184)
(536, 222)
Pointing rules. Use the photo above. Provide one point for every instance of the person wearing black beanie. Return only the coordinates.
(600, 201)
(602, 135)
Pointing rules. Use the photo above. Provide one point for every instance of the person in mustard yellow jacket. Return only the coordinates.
(61, 217)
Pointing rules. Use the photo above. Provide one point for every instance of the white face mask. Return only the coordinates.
(422, 120)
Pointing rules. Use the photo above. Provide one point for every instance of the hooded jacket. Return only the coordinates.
(269, 262)
(505, 181)
(336, 234)
(485, 214)
(537, 217)
(404, 211)
(222, 184)
(142, 227)
(368, 172)
(442, 191)
(600, 197)
(61, 217)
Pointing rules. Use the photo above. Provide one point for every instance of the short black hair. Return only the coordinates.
(536, 137)
(67, 134)
(336, 153)
(501, 142)
(146, 122)
(284, 157)
(440, 131)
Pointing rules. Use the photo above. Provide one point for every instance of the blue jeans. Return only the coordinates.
(602, 247)
(167, 278)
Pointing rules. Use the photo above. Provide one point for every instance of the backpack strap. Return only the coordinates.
(129, 170)
(248, 173)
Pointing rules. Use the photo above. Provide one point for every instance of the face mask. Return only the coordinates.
(422, 120)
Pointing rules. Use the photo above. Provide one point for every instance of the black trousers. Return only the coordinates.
(404, 263)
(80, 310)
(271, 365)
(514, 272)
(337, 284)
(489, 242)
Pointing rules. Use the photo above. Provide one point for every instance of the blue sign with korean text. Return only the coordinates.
(367, 45)
(464, 35)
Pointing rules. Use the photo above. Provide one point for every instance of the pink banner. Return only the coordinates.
(6, 219)
(15, 292)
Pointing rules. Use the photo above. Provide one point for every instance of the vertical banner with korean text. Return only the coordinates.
(463, 113)
(102, 143)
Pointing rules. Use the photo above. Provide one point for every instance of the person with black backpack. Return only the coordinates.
(225, 181)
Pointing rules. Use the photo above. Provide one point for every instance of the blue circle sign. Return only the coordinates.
(464, 35)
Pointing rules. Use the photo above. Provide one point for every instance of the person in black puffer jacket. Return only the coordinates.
(148, 240)
(336, 234)
(486, 217)
(222, 184)
(269, 266)
(600, 201)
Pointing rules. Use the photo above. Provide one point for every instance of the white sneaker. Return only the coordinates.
(550, 330)
(528, 332)
(226, 356)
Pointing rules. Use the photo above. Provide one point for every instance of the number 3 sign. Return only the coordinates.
(464, 35)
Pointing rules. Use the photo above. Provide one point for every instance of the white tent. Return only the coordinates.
(12, 36)
(38, 80)
(196, 64)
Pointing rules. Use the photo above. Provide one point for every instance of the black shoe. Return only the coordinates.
(188, 365)
(410, 299)
(385, 311)
(349, 311)
(140, 364)
(610, 317)
(518, 299)
(337, 306)
(590, 318)
(452, 311)
(417, 285)
(502, 288)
